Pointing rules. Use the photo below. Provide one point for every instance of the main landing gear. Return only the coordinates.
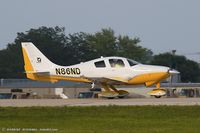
(158, 92)
(111, 92)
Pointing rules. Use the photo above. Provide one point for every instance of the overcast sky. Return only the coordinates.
(162, 25)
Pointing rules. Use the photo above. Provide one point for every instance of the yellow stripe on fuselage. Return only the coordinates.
(57, 78)
(150, 77)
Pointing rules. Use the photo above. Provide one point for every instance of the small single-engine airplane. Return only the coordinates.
(104, 71)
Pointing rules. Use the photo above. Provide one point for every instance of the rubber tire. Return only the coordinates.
(157, 96)
(121, 97)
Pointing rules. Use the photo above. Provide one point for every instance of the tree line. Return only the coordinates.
(70, 49)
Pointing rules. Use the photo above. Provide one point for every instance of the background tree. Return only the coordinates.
(105, 43)
(129, 48)
(49, 40)
(189, 69)
(80, 49)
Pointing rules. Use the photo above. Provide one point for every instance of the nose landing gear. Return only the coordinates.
(158, 92)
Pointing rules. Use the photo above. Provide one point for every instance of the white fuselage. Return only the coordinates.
(91, 71)
(104, 70)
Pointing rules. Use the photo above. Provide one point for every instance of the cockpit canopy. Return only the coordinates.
(114, 62)
(132, 62)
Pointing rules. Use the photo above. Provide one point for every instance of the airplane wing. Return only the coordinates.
(39, 73)
(110, 80)
(118, 79)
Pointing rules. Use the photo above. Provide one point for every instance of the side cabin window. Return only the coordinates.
(117, 63)
(100, 64)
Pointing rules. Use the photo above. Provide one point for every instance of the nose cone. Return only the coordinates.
(173, 72)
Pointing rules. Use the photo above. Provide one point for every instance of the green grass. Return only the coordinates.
(104, 119)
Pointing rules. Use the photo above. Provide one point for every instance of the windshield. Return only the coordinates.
(132, 62)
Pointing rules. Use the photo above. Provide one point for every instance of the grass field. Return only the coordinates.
(103, 119)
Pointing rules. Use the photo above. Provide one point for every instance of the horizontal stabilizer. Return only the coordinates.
(39, 73)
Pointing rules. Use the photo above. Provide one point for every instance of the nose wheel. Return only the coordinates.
(158, 92)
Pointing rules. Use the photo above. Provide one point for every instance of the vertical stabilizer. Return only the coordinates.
(34, 61)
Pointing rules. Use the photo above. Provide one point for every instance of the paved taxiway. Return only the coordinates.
(98, 102)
